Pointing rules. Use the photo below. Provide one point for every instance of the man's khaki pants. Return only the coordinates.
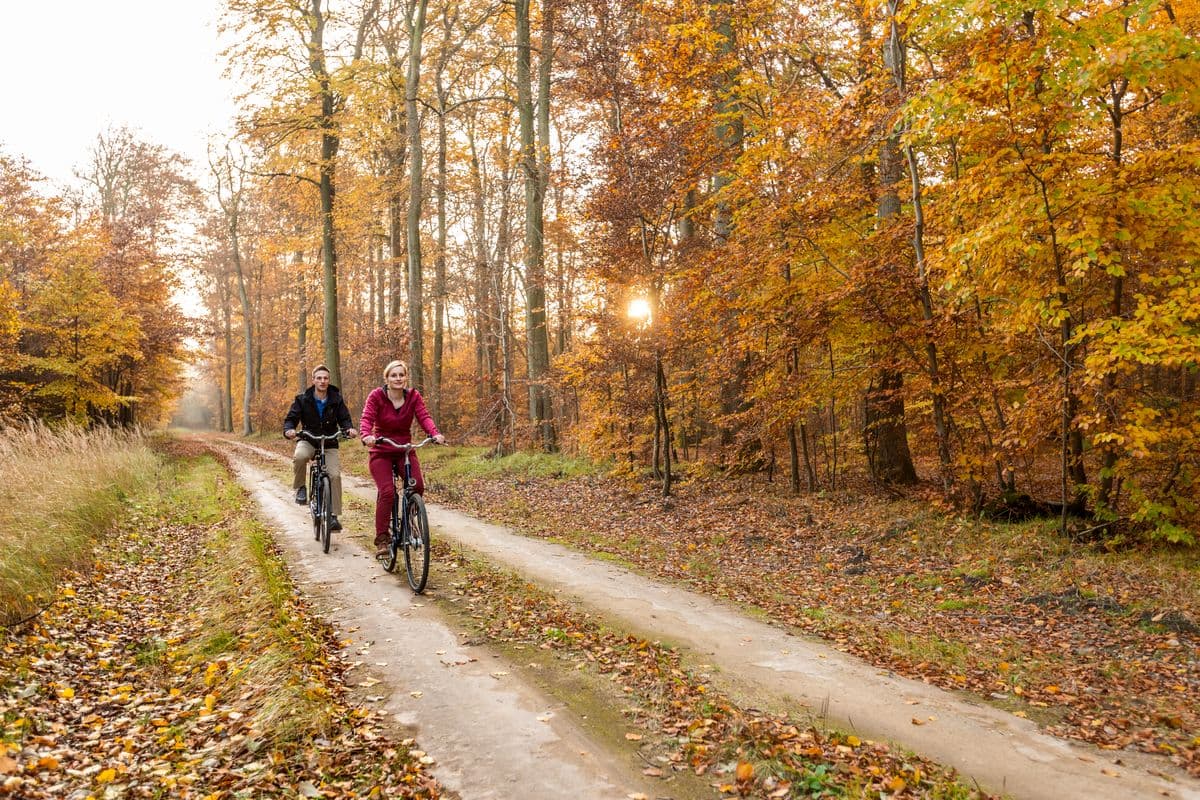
(304, 453)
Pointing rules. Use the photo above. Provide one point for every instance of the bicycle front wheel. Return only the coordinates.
(416, 548)
(326, 513)
(314, 504)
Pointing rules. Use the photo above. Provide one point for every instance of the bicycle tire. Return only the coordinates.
(389, 562)
(416, 549)
(314, 505)
(326, 512)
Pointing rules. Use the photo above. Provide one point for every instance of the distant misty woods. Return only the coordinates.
(933, 245)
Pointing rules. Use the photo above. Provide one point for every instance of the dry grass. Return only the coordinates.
(60, 490)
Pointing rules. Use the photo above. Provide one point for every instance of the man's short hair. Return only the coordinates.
(320, 368)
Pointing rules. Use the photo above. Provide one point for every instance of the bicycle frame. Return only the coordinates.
(319, 504)
(316, 467)
(403, 491)
(413, 542)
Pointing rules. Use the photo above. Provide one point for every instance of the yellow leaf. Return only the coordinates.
(107, 776)
(48, 762)
(853, 741)
(66, 693)
(745, 772)
(897, 784)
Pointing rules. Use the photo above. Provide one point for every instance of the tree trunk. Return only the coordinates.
(415, 20)
(247, 328)
(885, 432)
(894, 59)
(538, 348)
(301, 280)
(227, 319)
(396, 244)
(439, 276)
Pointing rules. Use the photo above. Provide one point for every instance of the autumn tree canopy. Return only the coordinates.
(933, 247)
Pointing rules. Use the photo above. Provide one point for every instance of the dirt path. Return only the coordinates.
(491, 735)
(763, 664)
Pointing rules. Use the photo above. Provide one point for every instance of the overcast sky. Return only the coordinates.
(73, 68)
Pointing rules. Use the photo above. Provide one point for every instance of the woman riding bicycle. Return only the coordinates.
(321, 411)
(389, 412)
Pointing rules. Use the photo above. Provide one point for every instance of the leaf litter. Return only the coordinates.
(122, 689)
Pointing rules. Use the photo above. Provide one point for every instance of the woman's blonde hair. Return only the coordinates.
(391, 366)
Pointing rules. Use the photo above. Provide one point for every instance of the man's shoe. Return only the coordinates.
(383, 546)
(334, 525)
(301, 496)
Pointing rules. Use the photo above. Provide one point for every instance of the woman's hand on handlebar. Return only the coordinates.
(440, 439)
(290, 433)
(368, 440)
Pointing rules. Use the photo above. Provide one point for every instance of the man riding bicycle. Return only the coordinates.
(321, 411)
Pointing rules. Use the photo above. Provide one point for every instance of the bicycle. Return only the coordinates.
(410, 523)
(320, 488)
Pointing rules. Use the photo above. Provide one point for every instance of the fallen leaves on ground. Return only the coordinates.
(114, 691)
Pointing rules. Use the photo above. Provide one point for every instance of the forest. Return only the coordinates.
(947, 247)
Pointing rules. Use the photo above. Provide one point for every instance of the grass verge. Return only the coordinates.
(60, 490)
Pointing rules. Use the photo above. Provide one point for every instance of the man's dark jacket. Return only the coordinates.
(304, 411)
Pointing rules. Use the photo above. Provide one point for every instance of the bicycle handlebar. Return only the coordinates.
(312, 437)
(409, 446)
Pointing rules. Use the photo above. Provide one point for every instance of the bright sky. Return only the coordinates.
(72, 68)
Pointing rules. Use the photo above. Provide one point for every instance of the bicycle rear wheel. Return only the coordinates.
(416, 549)
(389, 562)
(326, 513)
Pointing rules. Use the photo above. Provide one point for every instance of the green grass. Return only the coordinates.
(931, 648)
(466, 463)
(957, 605)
